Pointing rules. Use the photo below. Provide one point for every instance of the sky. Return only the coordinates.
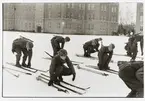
(127, 12)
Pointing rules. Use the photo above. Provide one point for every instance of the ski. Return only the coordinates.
(110, 70)
(12, 73)
(40, 78)
(68, 83)
(24, 68)
(126, 55)
(17, 70)
(96, 72)
(30, 68)
(92, 58)
(75, 62)
(74, 91)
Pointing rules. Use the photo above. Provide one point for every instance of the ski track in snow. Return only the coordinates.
(28, 86)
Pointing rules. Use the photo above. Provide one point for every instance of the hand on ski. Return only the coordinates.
(74, 76)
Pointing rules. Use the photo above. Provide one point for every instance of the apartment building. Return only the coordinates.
(67, 18)
(139, 18)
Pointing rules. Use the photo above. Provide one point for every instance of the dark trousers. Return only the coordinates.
(88, 50)
(103, 64)
(25, 55)
(133, 79)
(55, 48)
(59, 72)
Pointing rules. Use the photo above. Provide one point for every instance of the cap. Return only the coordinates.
(62, 52)
(113, 46)
(67, 38)
(30, 45)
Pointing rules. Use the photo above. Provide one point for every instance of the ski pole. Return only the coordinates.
(17, 71)
(12, 73)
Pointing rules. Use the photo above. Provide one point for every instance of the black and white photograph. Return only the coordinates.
(72, 50)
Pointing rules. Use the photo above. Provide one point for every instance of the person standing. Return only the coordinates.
(24, 46)
(56, 41)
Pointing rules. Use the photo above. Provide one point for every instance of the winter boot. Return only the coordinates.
(24, 65)
(18, 64)
(50, 83)
(17, 61)
(57, 82)
(60, 78)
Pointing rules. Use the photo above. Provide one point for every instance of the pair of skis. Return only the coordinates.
(92, 58)
(44, 78)
(32, 70)
(74, 62)
(109, 70)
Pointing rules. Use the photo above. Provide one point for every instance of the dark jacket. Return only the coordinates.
(89, 44)
(19, 43)
(57, 64)
(57, 40)
(102, 52)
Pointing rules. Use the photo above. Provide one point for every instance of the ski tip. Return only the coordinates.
(37, 78)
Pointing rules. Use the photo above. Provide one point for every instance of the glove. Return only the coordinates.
(74, 76)
(13, 51)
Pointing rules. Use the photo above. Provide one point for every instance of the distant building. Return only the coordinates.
(139, 18)
(67, 18)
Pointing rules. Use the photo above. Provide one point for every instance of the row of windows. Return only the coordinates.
(69, 26)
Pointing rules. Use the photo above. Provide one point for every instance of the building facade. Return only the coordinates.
(139, 18)
(67, 18)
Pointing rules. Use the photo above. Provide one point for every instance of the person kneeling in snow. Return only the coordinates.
(105, 55)
(132, 75)
(91, 47)
(58, 69)
(25, 46)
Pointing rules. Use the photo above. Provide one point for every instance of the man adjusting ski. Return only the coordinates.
(58, 69)
(25, 46)
(91, 47)
(104, 56)
(56, 41)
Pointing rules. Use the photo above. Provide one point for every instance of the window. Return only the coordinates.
(102, 8)
(58, 25)
(89, 16)
(105, 8)
(112, 10)
(92, 7)
(92, 26)
(80, 6)
(49, 24)
(71, 15)
(59, 14)
(102, 17)
(89, 6)
(49, 6)
(68, 5)
(49, 14)
(72, 5)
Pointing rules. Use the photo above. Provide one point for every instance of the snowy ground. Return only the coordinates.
(28, 86)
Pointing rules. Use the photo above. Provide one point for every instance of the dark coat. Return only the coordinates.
(57, 64)
(103, 52)
(56, 42)
(89, 44)
(20, 43)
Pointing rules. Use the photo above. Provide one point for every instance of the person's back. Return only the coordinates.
(104, 56)
(131, 72)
